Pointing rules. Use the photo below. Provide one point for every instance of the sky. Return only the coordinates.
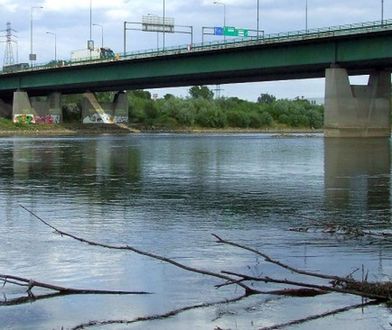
(70, 21)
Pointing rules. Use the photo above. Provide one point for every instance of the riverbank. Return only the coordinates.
(10, 129)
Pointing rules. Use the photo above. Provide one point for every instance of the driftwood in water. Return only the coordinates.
(371, 290)
(376, 292)
(59, 290)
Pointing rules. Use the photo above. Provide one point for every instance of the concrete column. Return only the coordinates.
(55, 107)
(120, 108)
(114, 112)
(354, 110)
(22, 111)
(39, 110)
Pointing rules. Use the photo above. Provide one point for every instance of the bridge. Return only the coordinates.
(333, 52)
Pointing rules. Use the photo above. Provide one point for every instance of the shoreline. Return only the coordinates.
(74, 130)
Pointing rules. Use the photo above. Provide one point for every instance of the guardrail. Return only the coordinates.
(274, 38)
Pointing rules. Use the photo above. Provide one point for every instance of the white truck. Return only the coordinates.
(95, 54)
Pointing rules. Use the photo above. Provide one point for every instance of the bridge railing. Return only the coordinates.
(273, 38)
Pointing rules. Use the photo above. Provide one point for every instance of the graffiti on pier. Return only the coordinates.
(97, 118)
(120, 119)
(24, 119)
(47, 119)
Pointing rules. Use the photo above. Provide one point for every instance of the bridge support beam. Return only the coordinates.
(356, 110)
(45, 110)
(115, 112)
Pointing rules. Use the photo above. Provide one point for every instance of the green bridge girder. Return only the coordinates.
(305, 56)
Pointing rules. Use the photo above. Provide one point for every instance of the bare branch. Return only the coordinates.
(321, 288)
(248, 290)
(281, 264)
(63, 290)
(30, 299)
(159, 316)
(319, 316)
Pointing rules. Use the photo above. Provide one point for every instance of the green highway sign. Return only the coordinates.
(243, 32)
(231, 31)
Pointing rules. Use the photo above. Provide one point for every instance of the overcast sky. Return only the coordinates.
(70, 20)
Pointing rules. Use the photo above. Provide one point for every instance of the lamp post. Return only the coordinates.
(55, 44)
(100, 26)
(382, 12)
(306, 16)
(224, 15)
(90, 42)
(164, 23)
(258, 18)
(32, 56)
(91, 19)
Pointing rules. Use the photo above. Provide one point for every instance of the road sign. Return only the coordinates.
(218, 31)
(243, 32)
(152, 23)
(231, 31)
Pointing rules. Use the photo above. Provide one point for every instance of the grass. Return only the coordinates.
(7, 127)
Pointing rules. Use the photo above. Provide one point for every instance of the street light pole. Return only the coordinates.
(55, 44)
(306, 15)
(32, 56)
(224, 15)
(382, 12)
(258, 18)
(164, 23)
(91, 19)
(101, 26)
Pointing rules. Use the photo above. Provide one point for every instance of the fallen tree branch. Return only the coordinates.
(60, 290)
(281, 264)
(30, 299)
(378, 291)
(320, 288)
(248, 290)
(158, 316)
(318, 316)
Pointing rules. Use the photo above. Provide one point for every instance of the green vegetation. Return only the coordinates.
(201, 111)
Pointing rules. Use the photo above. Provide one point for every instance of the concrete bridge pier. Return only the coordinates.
(357, 110)
(36, 110)
(94, 112)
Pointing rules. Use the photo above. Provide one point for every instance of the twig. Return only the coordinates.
(318, 316)
(281, 264)
(158, 316)
(321, 288)
(248, 290)
(29, 299)
(63, 290)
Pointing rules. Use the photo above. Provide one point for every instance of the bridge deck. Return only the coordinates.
(264, 39)
(301, 54)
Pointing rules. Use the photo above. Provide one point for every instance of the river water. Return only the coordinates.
(166, 194)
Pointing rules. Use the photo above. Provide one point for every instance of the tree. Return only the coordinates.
(266, 98)
(168, 96)
(141, 94)
(201, 92)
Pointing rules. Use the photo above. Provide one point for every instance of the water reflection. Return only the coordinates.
(58, 166)
(165, 194)
(357, 174)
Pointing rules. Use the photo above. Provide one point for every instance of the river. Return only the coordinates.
(166, 194)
